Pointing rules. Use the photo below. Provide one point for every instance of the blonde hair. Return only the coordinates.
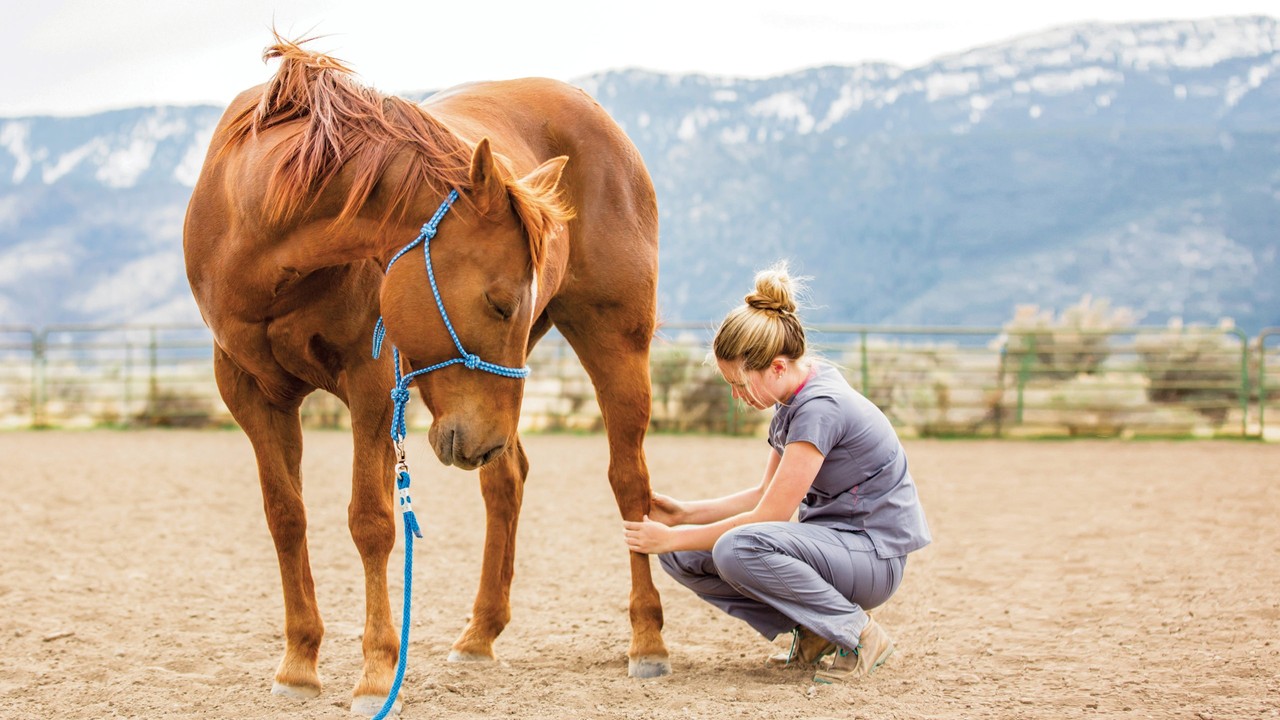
(765, 325)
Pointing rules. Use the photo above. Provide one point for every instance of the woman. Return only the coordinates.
(835, 457)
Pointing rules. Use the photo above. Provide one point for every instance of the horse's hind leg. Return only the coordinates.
(371, 517)
(275, 431)
(502, 484)
(615, 352)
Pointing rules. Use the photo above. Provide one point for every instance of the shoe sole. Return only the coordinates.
(781, 662)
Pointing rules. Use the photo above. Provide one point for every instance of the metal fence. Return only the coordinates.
(1267, 374)
(1204, 382)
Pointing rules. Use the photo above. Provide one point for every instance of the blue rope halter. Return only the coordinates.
(400, 399)
(400, 395)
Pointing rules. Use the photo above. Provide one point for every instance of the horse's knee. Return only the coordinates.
(287, 524)
(522, 460)
(372, 532)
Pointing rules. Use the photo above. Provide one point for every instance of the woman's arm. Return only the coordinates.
(670, 511)
(780, 494)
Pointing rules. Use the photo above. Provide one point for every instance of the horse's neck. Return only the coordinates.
(311, 239)
(316, 244)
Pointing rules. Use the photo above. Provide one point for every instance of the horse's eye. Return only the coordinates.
(503, 310)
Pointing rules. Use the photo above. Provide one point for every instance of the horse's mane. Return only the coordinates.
(345, 124)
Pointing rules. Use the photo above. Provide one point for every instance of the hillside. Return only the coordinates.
(1136, 162)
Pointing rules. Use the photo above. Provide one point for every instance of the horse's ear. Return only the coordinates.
(542, 181)
(487, 187)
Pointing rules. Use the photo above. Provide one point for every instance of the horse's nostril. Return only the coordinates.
(442, 441)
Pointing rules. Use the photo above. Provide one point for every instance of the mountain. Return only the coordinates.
(1137, 162)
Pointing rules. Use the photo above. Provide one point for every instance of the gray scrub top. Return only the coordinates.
(863, 484)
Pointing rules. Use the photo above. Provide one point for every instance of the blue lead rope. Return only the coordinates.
(411, 530)
(399, 401)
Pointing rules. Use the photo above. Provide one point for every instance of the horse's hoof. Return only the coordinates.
(457, 656)
(297, 692)
(370, 705)
(648, 667)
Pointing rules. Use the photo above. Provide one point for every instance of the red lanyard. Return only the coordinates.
(812, 371)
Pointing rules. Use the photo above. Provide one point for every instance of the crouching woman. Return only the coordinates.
(833, 456)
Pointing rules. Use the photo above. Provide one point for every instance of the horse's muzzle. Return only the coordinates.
(454, 446)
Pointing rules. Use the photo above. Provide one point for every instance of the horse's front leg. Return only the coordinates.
(502, 484)
(372, 519)
(275, 431)
(619, 368)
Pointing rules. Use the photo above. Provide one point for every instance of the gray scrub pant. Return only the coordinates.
(777, 575)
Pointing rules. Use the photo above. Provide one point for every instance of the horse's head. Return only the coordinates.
(486, 259)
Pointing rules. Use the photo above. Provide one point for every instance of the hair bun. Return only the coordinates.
(775, 291)
(760, 302)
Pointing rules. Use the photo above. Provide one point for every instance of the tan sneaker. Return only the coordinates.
(874, 647)
(807, 648)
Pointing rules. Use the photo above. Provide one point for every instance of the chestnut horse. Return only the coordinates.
(311, 185)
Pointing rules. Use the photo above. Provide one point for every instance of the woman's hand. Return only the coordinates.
(648, 537)
(666, 510)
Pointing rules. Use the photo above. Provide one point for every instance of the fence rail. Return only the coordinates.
(984, 381)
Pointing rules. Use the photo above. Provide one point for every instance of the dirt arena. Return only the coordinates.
(1066, 579)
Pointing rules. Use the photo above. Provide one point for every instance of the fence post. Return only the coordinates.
(153, 387)
(866, 372)
(39, 362)
(1244, 381)
(999, 408)
(1024, 370)
(1262, 379)
(1262, 385)
(128, 373)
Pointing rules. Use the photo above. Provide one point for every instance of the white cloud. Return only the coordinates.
(34, 258)
(134, 288)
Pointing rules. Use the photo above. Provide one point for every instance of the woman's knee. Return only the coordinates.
(734, 552)
(670, 564)
(686, 564)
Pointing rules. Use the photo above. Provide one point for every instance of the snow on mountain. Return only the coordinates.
(1132, 161)
(114, 149)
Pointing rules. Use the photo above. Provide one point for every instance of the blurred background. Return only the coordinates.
(1046, 220)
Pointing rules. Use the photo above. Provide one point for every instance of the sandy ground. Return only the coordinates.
(1067, 579)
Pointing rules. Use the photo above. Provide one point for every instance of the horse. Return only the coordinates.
(312, 182)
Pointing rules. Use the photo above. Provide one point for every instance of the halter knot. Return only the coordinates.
(471, 361)
(400, 395)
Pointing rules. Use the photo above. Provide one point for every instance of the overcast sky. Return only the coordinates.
(68, 57)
